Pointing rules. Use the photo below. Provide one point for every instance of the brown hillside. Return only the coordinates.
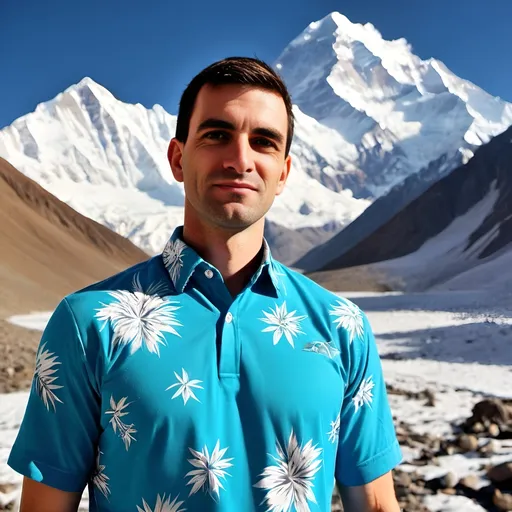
(47, 250)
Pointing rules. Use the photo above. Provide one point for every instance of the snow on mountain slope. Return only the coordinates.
(445, 254)
(107, 160)
(443, 237)
(398, 111)
(86, 135)
(369, 114)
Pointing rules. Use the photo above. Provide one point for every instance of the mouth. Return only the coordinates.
(235, 186)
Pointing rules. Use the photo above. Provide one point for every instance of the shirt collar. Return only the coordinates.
(180, 261)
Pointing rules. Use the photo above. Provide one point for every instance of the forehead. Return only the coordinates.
(240, 104)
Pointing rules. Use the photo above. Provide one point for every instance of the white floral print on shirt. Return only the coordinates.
(186, 386)
(334, 433)
(117, 411)
(283, 323)
(364, 393)
(99, 478)
(289, 482)
(139, 319)
(326, 348)
(210, 470)
(173, 258)
(45, 376)
(348, 316)
(163, 505)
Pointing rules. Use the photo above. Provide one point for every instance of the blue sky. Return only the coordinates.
(147, 51)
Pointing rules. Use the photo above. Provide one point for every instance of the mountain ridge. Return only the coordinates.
(370, 114)
(459, 223)
(381, 97)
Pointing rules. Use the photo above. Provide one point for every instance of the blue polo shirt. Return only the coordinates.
(164, 393)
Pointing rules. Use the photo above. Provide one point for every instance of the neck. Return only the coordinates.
(235, 254)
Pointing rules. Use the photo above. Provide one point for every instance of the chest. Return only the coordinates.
(251, 361)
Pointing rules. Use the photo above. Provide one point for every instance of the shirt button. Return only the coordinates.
(209, 273)
(229, 318)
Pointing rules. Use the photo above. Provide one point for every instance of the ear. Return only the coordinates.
(284, 175)
(175, 156)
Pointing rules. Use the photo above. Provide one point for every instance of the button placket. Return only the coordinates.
(230, 351)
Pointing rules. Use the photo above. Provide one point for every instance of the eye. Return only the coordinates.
(261, 141)
(216, 135)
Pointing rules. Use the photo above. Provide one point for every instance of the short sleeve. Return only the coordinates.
(368, 447)
(56, 443)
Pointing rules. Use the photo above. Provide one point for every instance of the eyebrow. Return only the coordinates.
(226, 125)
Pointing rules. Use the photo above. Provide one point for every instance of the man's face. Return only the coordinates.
(233, 163)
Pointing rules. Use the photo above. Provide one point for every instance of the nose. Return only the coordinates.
(238, 155)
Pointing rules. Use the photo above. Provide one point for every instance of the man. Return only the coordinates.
(211, 377)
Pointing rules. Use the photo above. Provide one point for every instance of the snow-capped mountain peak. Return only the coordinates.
(108, 160)
(401, 112)
(88, 84)
(369, 114)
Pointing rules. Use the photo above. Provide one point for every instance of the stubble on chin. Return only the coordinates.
(233, 214)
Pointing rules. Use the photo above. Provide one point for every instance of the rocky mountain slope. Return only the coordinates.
(460, 222)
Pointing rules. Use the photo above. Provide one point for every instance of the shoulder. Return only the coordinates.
(322, 297)
(144, 277)
(339, 313)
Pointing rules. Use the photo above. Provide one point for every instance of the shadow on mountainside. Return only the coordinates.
(484, 342)
(477, 302)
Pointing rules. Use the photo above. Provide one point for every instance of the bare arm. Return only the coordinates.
(376, 496)
(37, 497)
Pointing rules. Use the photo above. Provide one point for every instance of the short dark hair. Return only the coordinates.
(233, 70)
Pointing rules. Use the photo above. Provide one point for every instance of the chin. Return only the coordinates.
(236, 220)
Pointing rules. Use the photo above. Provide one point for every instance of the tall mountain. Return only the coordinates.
(450, 234)
(47, 249)
(107, 160)
(396, 113)
(369, 115)
(377, 214)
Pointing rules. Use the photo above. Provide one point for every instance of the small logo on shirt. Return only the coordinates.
(326, 348)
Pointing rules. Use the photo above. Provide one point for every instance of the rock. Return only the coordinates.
(402, 483)
(7, 488)
(500, 473)
(490, 411)
(431, 398)
(402, 479)
(468, 443)
(419, 487)
(451, 492)
(489, 448)
(450, 450)
(413, 500)
(502, 501)
(401, 431)
(336, 504)
(401, 492)
(10, 372)
(493, 430)
(450, 480)
(471, 482)
(477, 428)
